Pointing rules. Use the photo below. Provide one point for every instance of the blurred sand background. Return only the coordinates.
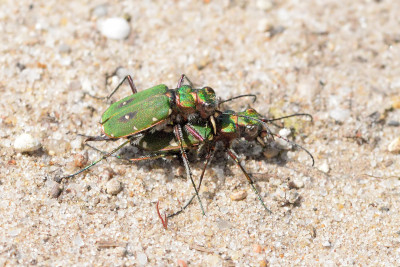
(337, 60)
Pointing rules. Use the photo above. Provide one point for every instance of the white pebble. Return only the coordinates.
(78, 241)
(394, 146)
(26, 143)
(284, 132)
(114, 28)
(122, 73)
(100, 11)
(265, 4)
(292, 197)
(339, 115)
(264, 25)
(142, 258)
(298, 183)
(283, 144)
(326, 244)
(113, 187)
(324, 167)
(32, 74)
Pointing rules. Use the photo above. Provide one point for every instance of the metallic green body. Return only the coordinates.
(231, 123)
(228, 124)
(156, 105)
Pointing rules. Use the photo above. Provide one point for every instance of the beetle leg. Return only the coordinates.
(97, 138)
(209, 157)
(94, 162)
(146, 157)
(233, 156)
(131, 84)
(193, 132)
(180, 81)
(179, 137)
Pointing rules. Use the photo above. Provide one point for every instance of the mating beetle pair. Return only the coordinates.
(160, 131)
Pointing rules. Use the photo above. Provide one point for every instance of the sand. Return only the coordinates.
(336, 60)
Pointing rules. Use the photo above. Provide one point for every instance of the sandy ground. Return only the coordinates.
(337, 60)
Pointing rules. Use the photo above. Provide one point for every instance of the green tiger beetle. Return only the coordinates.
(230, 126)
(157, 108)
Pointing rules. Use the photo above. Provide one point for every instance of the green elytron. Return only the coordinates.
(157, 106)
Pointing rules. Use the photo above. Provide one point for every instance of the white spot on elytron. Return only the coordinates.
(173, 143)
(124, 103)
(155, 119)
(126, 117)
(134, 128)
(112, 135)
(144, 145)
(169, 111)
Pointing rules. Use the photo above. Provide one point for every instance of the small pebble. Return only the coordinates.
(80, 160)
(32, 75)
(264, 25)
(292, 196)
(142, 258)
(64, 48)
(120, 251)
(285, 197)
(257, 248)
(324, 167)
(100, 11)
(396, 102)
(326, 244)
(213, 260)
(74, 86)
(181, 263)
(339, 115)
(113, 187)
(56, 147)
(114, 28)
(282, 144)
(56, 191)
(222, 225)
(106, 175)
(239, 195)
(78, 241)
(393, 123)
(285, 132)
(263, 263)
(208, 232)
(271, 152)
(296, 183)
(265, 4)
(26, 143)
(394, 146)
(122, 73)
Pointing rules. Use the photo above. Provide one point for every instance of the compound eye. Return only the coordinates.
(209, 90)
(209, 108)
(251, 131)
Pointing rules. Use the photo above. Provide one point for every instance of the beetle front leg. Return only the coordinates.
(233, 156)
(179, 137)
